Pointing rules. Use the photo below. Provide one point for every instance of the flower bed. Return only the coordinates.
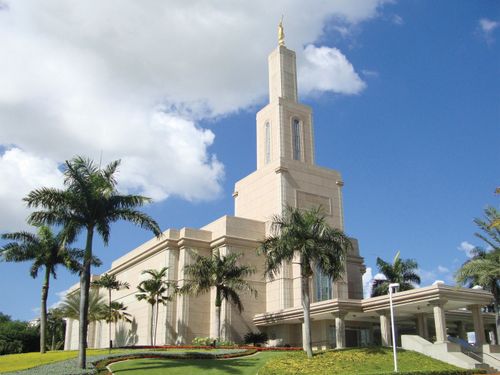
(196, 347)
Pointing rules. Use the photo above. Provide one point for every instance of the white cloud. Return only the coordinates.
(367, 282)
(21, 172)
(61, 297)
(132, 80)
(467, 248)
(442, 269)
(398, 20)
(327, 69)
(487, 27)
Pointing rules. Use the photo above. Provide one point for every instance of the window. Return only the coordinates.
(323, 286)
(268, 143)
(296, 141)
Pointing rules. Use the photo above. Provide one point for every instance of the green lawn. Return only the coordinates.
(239, 366)
(350, 361)
(16, 362)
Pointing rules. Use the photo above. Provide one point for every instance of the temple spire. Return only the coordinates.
(281, 33)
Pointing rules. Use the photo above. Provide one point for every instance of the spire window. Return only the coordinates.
(296, 139)
(268, 143)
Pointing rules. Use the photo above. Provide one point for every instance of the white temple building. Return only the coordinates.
(286, 174)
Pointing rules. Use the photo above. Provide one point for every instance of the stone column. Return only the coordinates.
(462, 334)
(477, 319)
(422, 326)
(385, 328)
(182, 302)
(68, 334)
(440, 321)
(340, 329)
(171, 259)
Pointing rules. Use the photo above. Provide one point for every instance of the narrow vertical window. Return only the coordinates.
(296, 139)
(268, 143)
(323, 286)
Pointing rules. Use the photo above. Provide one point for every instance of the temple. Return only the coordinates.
(286, 174)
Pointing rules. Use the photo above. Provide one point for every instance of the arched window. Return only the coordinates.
(323, 286)
(268, 143)
(296, 141)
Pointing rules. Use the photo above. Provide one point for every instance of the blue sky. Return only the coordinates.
(410, 116)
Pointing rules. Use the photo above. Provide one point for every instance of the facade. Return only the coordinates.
(286, 174)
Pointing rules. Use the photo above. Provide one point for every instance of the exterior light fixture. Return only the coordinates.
(393, 286)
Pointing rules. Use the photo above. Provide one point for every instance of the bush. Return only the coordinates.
(208, 341)
(255, 338)
(18, 337)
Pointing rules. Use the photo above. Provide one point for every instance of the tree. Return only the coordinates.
(17, 336)
(46, 250)
(305, 237)
(400, 271)
(89, 202)
(97, 309)
(55, 328)
(223, 273)
(118, 311)
(155, 291)
(484, 267)
(109, 282)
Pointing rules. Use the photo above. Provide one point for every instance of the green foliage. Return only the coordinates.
(224, 274)
(89, 202)
(202, 341)
(70, 307)
(17, 336)
(402, 271)
(55, 329)
(359, 361)
(255, 338)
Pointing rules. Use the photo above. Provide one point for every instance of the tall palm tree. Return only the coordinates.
(223, 273)
(89, 202)
(400, 271)
(484, 266)
(46, 250)
(156, 290)
(305, 235)
(109, 282)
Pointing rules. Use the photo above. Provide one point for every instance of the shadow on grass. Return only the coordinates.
(226, 366)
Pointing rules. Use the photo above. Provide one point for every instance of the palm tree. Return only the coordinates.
(117, 312)
(155, 291)
(97, 309)
(109, 282)
(484, 267)
(400, 271)
(305, 235)
(89, 202)
(222, 273)
(47, 250)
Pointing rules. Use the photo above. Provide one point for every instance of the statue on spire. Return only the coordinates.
(281, 33)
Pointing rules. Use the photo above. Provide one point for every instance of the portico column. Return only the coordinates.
(462, 334)
(422, 326)
(477, 319)
(340, 329)
(385, 328)
(68, 334)
(440, 321)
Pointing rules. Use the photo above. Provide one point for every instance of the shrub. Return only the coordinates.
(202, 341)
(255, 338)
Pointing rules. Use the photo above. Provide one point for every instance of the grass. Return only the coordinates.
(355, 361)
(16, 362)
(239, 366)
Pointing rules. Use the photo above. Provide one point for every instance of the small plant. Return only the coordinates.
(255, 338)
(202, 341)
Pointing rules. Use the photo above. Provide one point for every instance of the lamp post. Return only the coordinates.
(395, 286)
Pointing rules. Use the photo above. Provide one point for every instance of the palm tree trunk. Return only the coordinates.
(218, 303)
(43, 310)
(84, 299)
(109, 322)
(156, 320)
(496, 306)
(306, 304)
(152, 324)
